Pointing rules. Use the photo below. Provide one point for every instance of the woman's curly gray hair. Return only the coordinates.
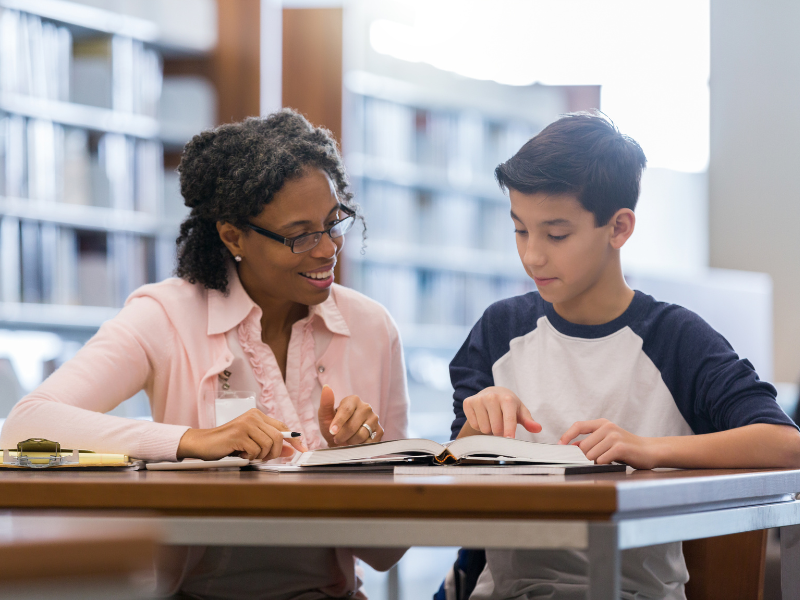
(231, 172)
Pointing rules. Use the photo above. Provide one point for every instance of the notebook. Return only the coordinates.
(197, 464)
(514, 469)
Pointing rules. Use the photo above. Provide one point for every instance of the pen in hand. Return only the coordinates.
(290, 434)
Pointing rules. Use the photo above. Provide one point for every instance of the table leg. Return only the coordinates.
(604, 562)
(790, 562)
(393, 583)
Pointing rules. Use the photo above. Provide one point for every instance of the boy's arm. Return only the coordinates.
(470, 372)
(759, 445)
(735, 415)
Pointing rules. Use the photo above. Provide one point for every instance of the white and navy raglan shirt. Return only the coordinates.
(657, 370)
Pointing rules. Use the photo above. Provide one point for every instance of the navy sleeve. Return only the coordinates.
(470, 372)
(714, 389)
(471, 369)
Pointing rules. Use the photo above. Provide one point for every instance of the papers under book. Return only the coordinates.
(483, 449)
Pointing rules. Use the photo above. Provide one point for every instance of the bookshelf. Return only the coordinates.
(439, 246)
(83, 220)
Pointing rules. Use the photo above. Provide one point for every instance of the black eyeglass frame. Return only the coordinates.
(351, 214)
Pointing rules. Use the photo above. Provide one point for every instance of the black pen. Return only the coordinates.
(290, 434)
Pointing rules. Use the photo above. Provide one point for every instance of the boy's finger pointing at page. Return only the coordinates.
(526, 420)
(510, 419)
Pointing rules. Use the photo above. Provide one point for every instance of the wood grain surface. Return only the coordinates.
(594, 497)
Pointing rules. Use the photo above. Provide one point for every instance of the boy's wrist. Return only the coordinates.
(662, 451)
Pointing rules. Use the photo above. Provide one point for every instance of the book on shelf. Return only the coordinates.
(13, 172)
(486, 449)
(42, 160)
(31, 255)
(10, 259)
(66, 271)
(35, 56)
(79, 167)
(117, 72)
(461, 143)
(42, 262)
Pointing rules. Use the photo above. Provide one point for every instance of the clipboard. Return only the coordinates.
(39, 453)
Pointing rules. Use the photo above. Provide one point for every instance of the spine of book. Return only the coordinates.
(25, 67)
(10, 259)
(9, 27)
(64, 63)
(66, 272)
(149, 177)
(38, 64)
(3, 151)
(43, 169)
(118, 159)
(49, 261)
(31, 262)
(76, 172)
(122, 73)
(15, 157)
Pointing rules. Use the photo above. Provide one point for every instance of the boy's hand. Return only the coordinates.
(496, 411)
(609, 443)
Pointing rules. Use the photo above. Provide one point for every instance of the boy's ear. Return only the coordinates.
(231, 236)
(622, 223)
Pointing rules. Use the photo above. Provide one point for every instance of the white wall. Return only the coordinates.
(753, 174)
(671, 234)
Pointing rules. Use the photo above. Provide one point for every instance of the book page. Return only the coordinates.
(332, 456)
(517, 449)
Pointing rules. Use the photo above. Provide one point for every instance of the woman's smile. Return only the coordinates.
(321, 277)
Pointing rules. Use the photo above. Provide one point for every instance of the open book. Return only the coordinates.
(472, 448)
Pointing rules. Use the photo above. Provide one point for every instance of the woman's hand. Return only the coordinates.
(342, 426)
(609, 443)
(253, 435)
(496, 411)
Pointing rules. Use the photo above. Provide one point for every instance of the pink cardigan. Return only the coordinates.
(170, 340)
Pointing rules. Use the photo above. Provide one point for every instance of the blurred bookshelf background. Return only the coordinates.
(89, 212)
(97, 98)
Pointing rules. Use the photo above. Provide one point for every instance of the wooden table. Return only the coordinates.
(64, 559)
(603, 513)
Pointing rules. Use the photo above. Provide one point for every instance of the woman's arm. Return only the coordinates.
(68, 407)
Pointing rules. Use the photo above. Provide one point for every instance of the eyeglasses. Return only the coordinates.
(308, 241)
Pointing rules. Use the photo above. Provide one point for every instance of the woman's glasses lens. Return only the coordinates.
(342, 227)
(307, 242)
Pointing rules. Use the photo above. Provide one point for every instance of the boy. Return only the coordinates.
(649, 384)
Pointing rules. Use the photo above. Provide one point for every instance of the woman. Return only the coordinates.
(254, 310)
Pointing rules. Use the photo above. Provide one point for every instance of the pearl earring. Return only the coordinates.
(238, 258)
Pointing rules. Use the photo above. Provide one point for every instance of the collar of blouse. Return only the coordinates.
(226, 312)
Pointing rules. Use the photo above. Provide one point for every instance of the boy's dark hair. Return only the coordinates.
(231, 172)
(581, 154)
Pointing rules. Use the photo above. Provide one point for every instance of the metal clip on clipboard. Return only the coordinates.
(39, 446)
